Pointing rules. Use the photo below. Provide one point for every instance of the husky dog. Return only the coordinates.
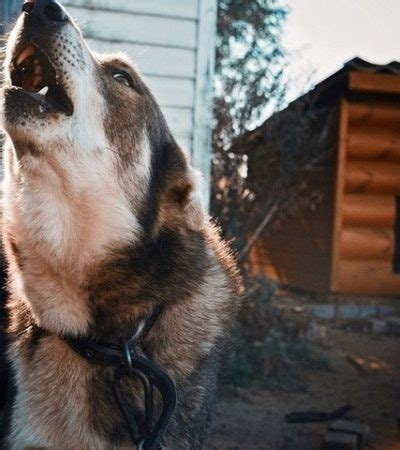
(102, 224)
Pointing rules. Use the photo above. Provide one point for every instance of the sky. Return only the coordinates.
(321, 35)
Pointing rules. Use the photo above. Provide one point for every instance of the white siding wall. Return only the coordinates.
(172, 43)
(9, 10)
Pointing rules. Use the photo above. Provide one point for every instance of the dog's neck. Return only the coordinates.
(65, 215)
(71, 210)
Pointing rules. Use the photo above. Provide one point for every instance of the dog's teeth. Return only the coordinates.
(44, 90)
(29, 51)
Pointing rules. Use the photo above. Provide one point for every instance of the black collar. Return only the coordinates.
(111, 353)
(129, 360)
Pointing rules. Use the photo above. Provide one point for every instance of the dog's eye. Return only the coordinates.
(123, 78)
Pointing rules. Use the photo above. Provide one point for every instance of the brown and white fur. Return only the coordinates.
(102, 221)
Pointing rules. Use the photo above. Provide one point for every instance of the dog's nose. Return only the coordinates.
(47, 10)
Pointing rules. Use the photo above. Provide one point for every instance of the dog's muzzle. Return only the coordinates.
(46, 12)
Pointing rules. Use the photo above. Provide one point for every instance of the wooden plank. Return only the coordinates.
(173, 8)
(373, 113)
(369, 210)
(339, 192)
(269, 271)
(206, 37)
(153, 59)
(180, 120)
(364, 243)
(259, 263)
(305, 272)
(373, 143)
(373, 177)
(374, 82)
(300, 248)
(122, 27)
(172, 92)
(368, 278)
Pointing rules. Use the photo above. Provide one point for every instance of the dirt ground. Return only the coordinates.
(364, 372)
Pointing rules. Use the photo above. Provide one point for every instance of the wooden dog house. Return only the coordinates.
(349, 241)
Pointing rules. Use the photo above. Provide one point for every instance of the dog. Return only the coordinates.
(103, 224)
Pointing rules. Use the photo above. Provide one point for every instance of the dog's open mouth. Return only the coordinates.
(32, 71)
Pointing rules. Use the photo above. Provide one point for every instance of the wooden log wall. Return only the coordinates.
(296, 252)
(367, 187)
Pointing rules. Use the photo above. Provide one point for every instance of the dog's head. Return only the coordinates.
(86, 112)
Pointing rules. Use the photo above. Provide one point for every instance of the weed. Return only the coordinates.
(266, 349)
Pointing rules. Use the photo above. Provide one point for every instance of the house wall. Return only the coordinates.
(292, 165)
(368, 184)
(297, 251)
(9, 9)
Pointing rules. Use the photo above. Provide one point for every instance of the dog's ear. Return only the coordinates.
(194, 206)
(185, 194)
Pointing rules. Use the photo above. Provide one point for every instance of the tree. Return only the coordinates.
(249, 84)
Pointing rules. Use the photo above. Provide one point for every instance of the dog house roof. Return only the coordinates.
(330, 87)
(365, 66)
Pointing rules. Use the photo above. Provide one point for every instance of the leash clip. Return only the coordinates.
(127, 354)
(129, 346)
(138, 333)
